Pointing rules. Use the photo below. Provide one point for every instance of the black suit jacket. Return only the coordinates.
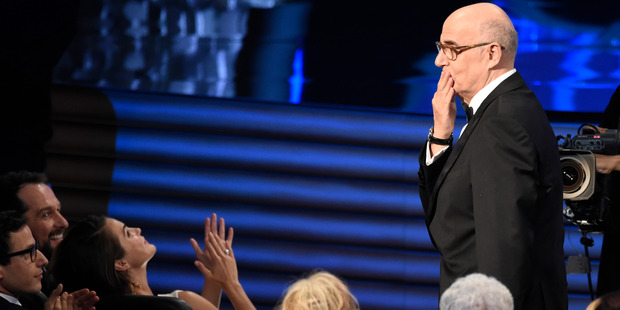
(33, 301)
(493, 202)
(6, 305)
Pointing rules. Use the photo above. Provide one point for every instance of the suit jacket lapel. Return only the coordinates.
(513, 82)
(5, 304)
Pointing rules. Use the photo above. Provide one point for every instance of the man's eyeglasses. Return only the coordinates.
(452, 51)
(33, 251)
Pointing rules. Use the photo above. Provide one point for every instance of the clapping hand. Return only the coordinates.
(83, 299)
(223, 268)
(219, 231)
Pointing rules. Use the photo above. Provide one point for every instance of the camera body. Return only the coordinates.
(584, 188)
(596, 142)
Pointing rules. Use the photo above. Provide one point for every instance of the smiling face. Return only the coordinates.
(138, 251)
(43, 213)
(21, 275)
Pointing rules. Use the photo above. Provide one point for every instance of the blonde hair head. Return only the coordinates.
(321, 290)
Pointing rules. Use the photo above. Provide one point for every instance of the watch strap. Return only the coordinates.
(438, 141)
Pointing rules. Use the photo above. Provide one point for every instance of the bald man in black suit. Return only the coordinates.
(493, 202)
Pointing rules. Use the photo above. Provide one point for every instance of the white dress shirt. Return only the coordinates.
(10, 299)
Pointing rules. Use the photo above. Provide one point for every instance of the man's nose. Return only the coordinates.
(441, 60)
(60, 221)
(41, 259)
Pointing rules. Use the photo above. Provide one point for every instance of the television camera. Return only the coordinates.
(584, 189)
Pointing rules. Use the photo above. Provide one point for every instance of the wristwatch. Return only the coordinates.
(438, 141)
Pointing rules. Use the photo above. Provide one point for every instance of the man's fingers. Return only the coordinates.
(444, 81)
(87, 304)
(83, 293)
(56, 292)
(68, 301)
(57, 303)
(445, 91)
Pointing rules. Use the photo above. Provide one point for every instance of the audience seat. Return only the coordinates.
(132, 302)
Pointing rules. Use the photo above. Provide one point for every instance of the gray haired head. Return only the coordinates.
(476, 292)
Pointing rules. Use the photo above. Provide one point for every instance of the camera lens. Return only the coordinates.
(572, 176)
(578, 170)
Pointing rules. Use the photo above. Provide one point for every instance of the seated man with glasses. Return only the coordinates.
(22, 266)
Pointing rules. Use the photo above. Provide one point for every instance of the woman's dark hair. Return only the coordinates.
(85, 259)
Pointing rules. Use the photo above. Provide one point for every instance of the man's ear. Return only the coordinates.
(120, 265)
(495, 54)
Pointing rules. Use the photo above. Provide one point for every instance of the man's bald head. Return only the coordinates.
(489, 23)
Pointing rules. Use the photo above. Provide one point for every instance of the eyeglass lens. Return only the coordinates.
(34, 251)
(450, 54)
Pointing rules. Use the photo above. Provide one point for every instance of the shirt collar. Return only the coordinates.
(485, 91)
(10, 299)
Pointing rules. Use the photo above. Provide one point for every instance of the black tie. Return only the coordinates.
(469, 112)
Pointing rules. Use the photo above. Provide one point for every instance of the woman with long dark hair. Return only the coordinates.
(105, 255)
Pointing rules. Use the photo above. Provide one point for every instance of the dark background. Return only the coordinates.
(365, 53)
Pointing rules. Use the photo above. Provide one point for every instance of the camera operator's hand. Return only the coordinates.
(605, 164)
(592, 129)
